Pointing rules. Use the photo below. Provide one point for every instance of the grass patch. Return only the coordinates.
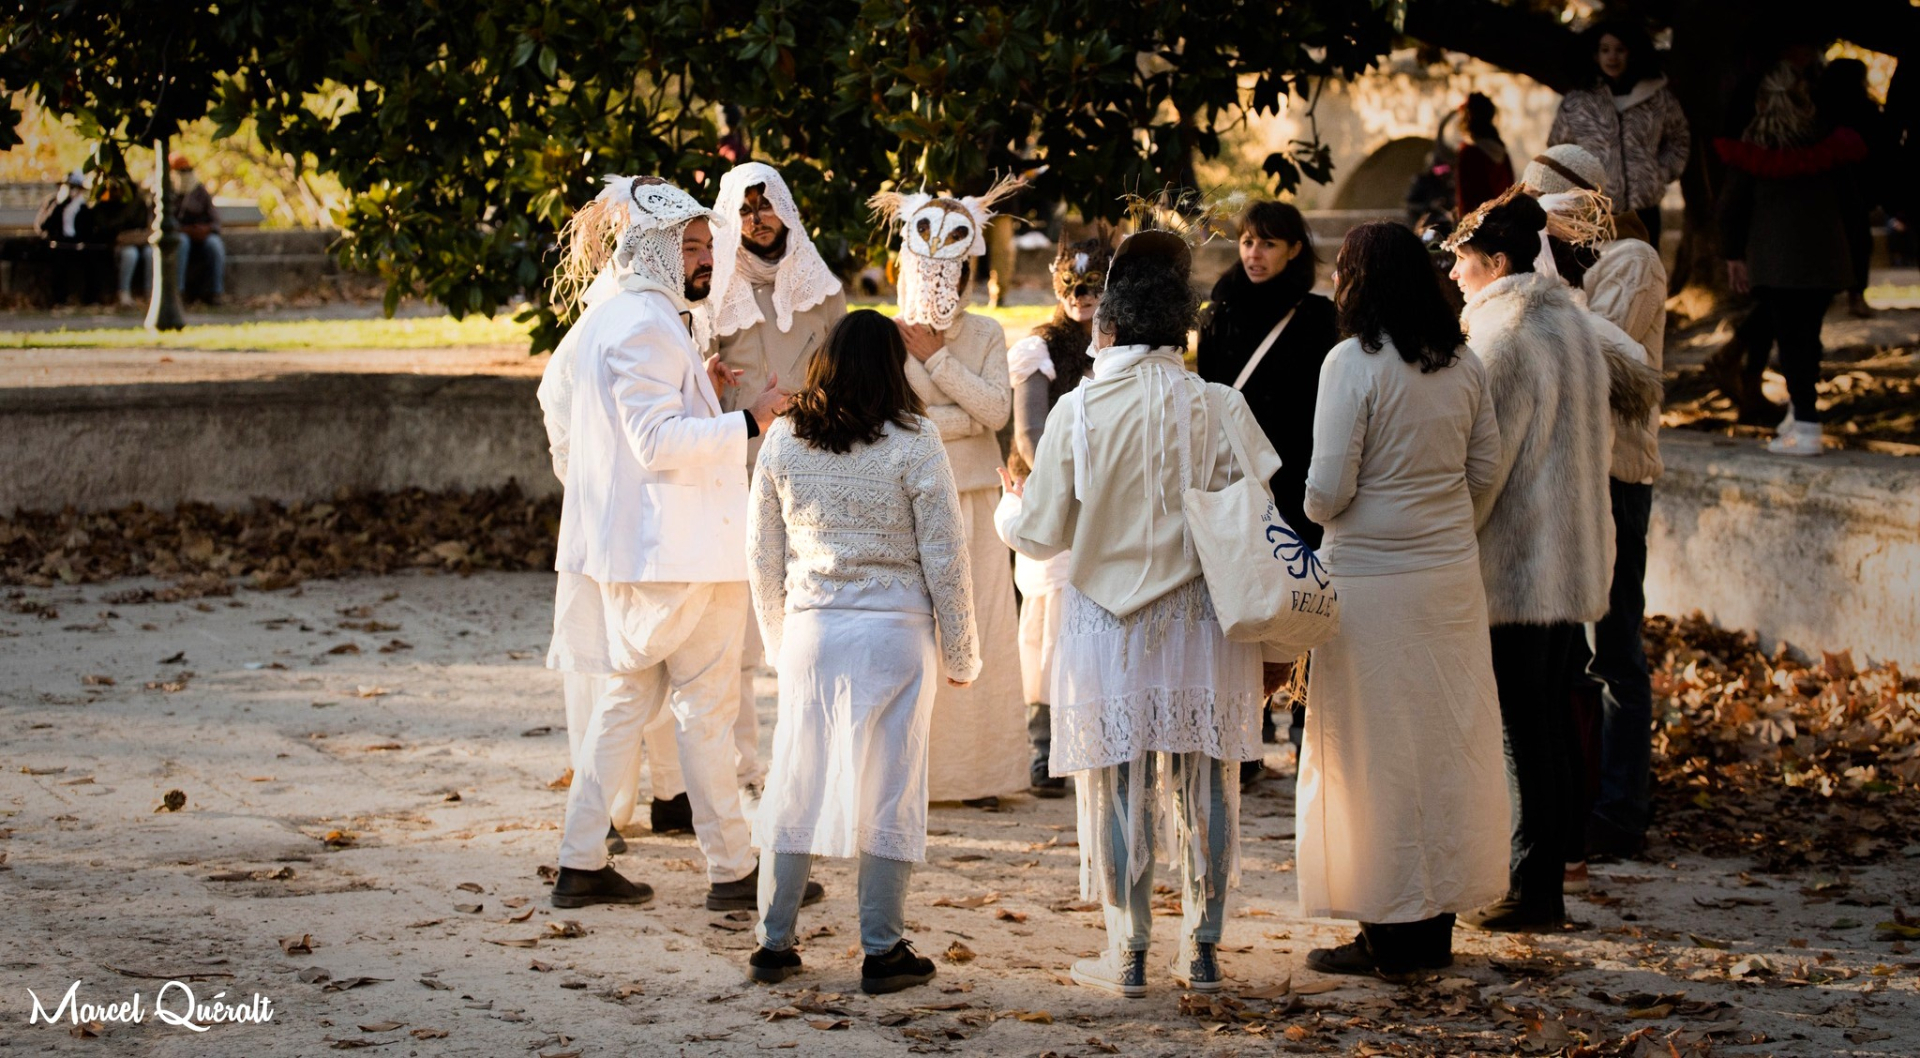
(416, 332)
(1016, 319)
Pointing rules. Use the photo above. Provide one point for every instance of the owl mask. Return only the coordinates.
(939, 237)
(633, 228)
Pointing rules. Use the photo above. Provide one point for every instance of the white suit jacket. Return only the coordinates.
(656, 480)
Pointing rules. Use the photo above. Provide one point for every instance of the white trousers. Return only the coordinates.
(695, 677)
(656, 739)
(746, 725)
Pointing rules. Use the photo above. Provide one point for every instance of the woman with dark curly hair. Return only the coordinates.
(1153, 708)
(863, 592)
(1402, 813)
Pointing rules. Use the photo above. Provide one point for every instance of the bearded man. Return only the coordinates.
(774, 303)
(652, 567)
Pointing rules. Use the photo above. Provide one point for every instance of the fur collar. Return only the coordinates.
(1520, 290)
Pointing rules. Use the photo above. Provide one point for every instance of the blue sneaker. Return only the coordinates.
(1198, 967)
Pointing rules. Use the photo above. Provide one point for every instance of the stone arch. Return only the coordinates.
(1380, 181)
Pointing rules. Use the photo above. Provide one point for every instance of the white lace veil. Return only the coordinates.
(802, 279)
(939, 236)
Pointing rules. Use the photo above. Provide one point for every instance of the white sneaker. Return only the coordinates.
(1124, 973)
(1797, 439)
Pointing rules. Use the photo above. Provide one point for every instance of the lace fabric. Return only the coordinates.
(882, 515)
(802, 278)
(1162, 679)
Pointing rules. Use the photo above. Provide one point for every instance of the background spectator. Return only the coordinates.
(124, 214)
(1629, 119)
(67, 223)
(199, 221)
(1483, 169)
(1841, 100)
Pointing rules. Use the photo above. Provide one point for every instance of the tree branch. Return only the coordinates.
(1513, 38)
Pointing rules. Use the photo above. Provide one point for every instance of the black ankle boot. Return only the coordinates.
(743, 894)
(672, 816)
(615, 843)
(604, 886)
(897, 969)
(772, 967)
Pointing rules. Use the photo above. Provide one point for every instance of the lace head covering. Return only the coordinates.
(939, 237)
(802, 279)
(635, 224)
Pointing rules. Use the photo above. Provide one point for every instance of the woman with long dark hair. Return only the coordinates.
(1402, 811)
(1545, 530)
(863, 592)
(1629, 119)
(1266, 334)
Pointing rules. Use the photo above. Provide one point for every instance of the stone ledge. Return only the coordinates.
(1821, 553)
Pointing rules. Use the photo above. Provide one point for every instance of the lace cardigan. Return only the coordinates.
(883, 516)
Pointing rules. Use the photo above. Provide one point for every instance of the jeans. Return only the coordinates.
(1620, 664)
(883, 900)
(1040, 735)
(216, 250)
(1791, 317)
(1203, 898)
(1529, 668)
(128, 258)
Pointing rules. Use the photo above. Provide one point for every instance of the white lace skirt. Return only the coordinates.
(1163, 679)
(849, 758)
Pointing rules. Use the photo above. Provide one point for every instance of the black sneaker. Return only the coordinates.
(1040, 784)
(615, 843)
(674, 816)
(985, 804)
(744, 894)
(604, 886)
(896, 970)
(1608, 842)
(1352, 958)
(772, 967)
(1509, 915)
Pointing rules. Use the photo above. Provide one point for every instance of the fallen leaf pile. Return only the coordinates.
(203, 549)
(1791, 763)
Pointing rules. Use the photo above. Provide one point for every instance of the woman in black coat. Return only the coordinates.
(1271, 283)
(1273, 279)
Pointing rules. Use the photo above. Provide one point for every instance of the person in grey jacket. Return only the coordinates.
(1629, 119)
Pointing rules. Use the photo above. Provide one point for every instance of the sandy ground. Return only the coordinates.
(435, 757)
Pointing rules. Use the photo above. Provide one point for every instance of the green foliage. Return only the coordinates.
(466, 131)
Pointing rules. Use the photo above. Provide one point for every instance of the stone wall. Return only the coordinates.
(287, 438)
(1822, 553)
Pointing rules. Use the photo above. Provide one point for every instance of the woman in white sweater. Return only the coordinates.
(1545, 531)
(1402, 814)
(1153, 708)
(862, 586)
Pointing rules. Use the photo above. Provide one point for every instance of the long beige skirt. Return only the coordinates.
(978, 745)
(1402, 810)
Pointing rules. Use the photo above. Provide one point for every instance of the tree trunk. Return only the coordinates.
(163, 311)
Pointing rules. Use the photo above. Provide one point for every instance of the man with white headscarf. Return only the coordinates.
(774, 302)
(652, 567)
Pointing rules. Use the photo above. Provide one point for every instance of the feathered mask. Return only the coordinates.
(939, 235)
(633, 223)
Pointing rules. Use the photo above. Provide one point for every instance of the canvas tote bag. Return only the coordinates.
(1267, 585)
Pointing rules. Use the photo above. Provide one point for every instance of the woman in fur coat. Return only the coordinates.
(1630, 120)
(1544, 525)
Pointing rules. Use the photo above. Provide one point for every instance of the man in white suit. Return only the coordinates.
(652, 555)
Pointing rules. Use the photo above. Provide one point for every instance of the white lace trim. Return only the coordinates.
(802, 279)
(874, 841)
(1163, 679)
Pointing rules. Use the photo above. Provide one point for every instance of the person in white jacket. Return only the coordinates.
(652, 554)
(669, 813)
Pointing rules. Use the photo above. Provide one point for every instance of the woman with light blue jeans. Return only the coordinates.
(858, 554)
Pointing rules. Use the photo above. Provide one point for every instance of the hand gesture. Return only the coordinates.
(770, 403)
(1011, 485)
(922, 340)
(722, 378)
